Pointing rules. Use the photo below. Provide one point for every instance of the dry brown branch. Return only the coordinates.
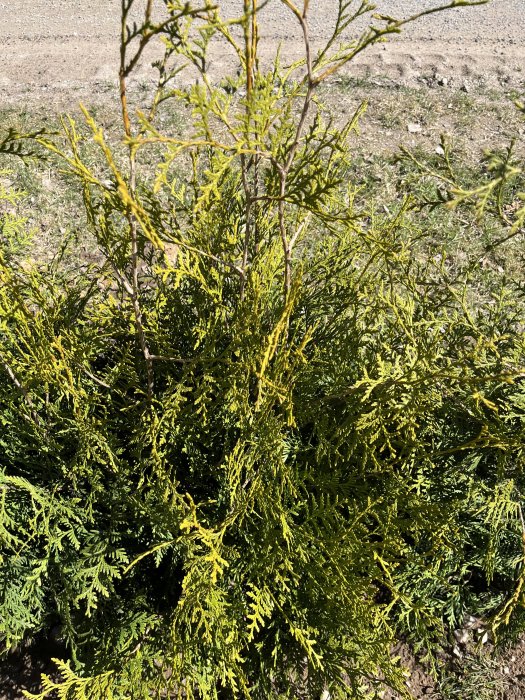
(132, 189)
(33, 417)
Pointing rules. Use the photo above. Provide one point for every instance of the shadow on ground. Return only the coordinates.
(23, 668)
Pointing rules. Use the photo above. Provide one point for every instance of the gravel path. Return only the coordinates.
(61, 50)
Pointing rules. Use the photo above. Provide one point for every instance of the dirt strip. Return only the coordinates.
(60, 51)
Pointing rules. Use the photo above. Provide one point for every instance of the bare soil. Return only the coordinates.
(59, 51)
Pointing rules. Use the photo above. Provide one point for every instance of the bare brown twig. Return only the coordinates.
(284, 170)
(132, 190)
(34, 417)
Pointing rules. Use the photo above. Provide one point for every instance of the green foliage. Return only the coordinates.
(262, 437)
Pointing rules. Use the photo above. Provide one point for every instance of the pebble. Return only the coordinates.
(461, 636)
(414, 128)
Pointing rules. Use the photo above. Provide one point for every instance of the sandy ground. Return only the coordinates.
(64, 50)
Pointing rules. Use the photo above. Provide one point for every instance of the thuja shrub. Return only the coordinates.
(262, 437)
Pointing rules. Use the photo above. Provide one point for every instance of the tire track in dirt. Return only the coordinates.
(63, 50)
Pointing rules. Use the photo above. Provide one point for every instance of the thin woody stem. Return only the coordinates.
(137, 311)
(285, 169)
(250, 41)
(248, 212)
(35, 418)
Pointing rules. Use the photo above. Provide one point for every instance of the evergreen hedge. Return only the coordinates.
(263, 437)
